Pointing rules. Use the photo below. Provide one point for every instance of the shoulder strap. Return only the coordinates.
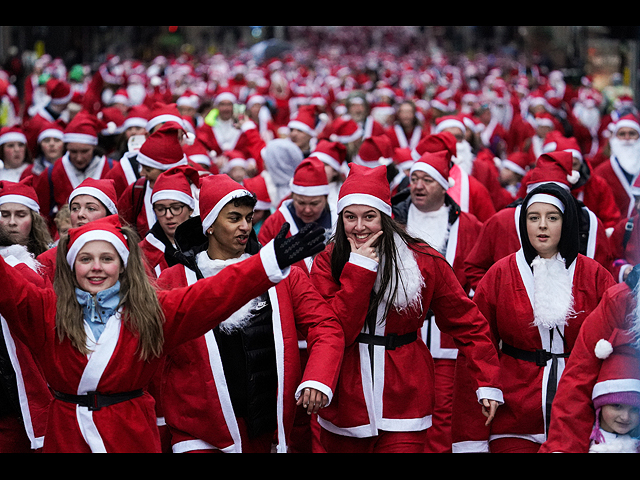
(628, 229)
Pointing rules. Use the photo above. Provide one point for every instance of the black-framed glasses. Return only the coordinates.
(175, 209)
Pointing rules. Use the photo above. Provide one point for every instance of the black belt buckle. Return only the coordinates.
(390, 341)
(542, 357)
(92, 402)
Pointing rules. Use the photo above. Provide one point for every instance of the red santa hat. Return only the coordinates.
(121, 96)
(235, 159)
(162, 149)
(21, 192)
(374, 151)
(403, 158)
(188, 99)
(628, 120)
(103, 190)
(435, 143)
(517, 162)
(366, 186)
(59, 91)
(306, 120)
(179, 184)
(556, 141)
(107, 229)
(162, 113)
(331, 153)
(137, 116)
(450, 121)
(310, 179)
(258, 186)
(215, 192)
(12, 134)
(197, 152)
(619, 377)
(544, 119)
(84, 128)
(113, 118)
(436, 165)
(50, 130)
(555, 167)
(345, 130)
(225, 95)
(255, 99)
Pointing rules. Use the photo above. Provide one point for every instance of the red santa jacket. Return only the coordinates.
(135, 208)
(472, 196)
(194, 379)
(394, 390)
(400, 139)
(114, 367)
(504, 296)
(614, 177)
(625, 245)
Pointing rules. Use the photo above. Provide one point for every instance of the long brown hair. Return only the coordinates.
(388, 251)
(39, 238)
(141, 312)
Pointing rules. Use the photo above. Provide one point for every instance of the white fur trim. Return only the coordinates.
(432, 172)
(93, 235)
(95, 193)
(213, 214)
(364, 199)
(80, 138)
(176, 195)
(22, 200)
(545, 198)
(150, 162)
(13, 137)
(603, 349)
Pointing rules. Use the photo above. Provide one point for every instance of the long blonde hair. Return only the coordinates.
(141, 312)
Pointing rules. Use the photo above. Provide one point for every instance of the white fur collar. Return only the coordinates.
(411, 281)
(615, 444)
(20, 254)
(553, 292)
(239, 319)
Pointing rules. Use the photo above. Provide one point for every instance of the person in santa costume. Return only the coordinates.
(499, 236)
(174, 202)
(625, 241)
(334, 157)
(82, 159)
(623, 166)
(381, 283)
(406, 130)
(49, 148)
(534, 322)
(241, 380)
(220, 132)
(24, 394)
(15, 158)
(377, 150)
(161, 151)
(308, 203)
(429, 213)
(574, 413)
(100, 341)
(89, 201)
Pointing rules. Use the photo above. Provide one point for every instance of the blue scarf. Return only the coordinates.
(98, 308)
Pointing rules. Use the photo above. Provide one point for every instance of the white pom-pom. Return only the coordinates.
(112, 127)
(603, 349)
(574, 177)
(155, 81)
(452, 182)
(189, 138)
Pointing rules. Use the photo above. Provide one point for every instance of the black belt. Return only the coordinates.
(95, 400)
(539, 357)
(390, 341)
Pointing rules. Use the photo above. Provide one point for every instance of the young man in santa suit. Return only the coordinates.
(623, 166)
(430, 214)
(83, 159)
(242, 380)
(573, 415)
(499, 235)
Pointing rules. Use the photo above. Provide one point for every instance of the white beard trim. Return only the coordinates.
(240, 318)
(553, 295)
(464, 156)
(627, 153)
(411, 281)
(15, 254)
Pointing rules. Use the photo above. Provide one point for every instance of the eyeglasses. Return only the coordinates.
(161, 210)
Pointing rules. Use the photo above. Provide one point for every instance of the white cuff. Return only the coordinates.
(321, 387)
(621, 272)
(490, 393)
(362, 261)
(480, 446)
(270, 264)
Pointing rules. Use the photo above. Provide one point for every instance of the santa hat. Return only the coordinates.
(235, 159)
(333, 154)
(258, 186)
(162, 149)
(59, 91)
(50, 130)
(450, 121)
(345, 130)
(162, 113)
(436, 165)
(137, 116)
(555, 167)
(225, 95)
(215, 192)
(555, 140)
(619, 378)
(113, 118)
(121, 96)
(517, 162)
(255, 99)
(435, 143)
(21, 192)
(84, 128)
(310, 179)
(403, 158)
(544, 119)
(374, 151)
(366, 186)
(197, 152)
(12, 134)
(107, 229)
(188, 99)
(103, 189)
(628, 120)
(179, 184)
(306, 120)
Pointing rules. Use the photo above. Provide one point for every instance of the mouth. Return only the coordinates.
(96, 280)
(242, 239)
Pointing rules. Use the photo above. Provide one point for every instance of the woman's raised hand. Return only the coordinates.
(366, 249)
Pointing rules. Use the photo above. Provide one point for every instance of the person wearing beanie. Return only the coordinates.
(426, 211)
(241, 381)
(91, 200)
(380, 282)
(307, 204)
(102, 332)
(499, 235)
(15, 157)
(608, 334)
(82, 159)
(553, 288)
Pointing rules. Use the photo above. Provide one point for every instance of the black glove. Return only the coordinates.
(307, 242)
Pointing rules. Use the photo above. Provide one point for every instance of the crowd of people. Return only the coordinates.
(358, 253)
